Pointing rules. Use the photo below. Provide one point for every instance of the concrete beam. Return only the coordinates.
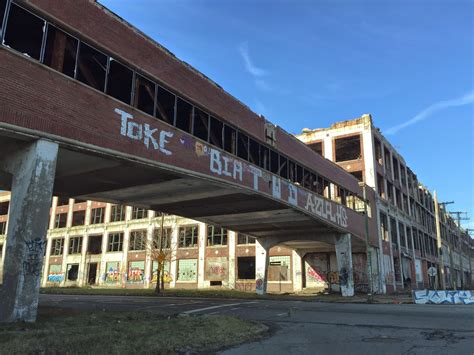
(32, 169)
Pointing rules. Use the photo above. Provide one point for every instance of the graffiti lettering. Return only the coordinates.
(34, 256)
(216, 165)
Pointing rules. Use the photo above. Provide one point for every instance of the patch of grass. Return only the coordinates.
(73, 331)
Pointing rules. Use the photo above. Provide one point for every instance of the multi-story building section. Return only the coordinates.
(406, 210)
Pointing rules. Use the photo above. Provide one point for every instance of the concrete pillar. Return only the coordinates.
(202, 251)
(382, 272)
(148, 249)
(344, 264)
(262, 260)
(297, 268)
(174, 248)
(392, 266)
(46, 262)
(32, 169)
(232, 267)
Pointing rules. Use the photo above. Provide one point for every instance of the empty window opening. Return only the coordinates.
(95, 245)
(401, 229)
(60, 220)
(75, 245)
(245, 239)
(254, 152)
(72, 272)
(358, 175)
(264, 162)
(3, 6)
(215, 283)
(230, 140)
(162, 242)
(291, 170)
(184, 115)
(378, 151)
(4, 208)
(118, 213)
(299, 174)
(63, 201)
(242, 146)
(57, 245)
(119, 82)
(92, 274)
(274, 162)
(3, 228)
(144, 98)
(1, 251)
(246, 268)
(24, 32)
(403, 176)
(98, 215)
(388, 162)
(216, 236)
(201, 124)
(317, 147)
(381, 186)
(60, 51)
(115, 242)
(91, 67)
(348, 148)
(78, 218)
(137, 240)
(138, 213)
(396, 174)
(188, 236)
(216, 132)
(165, 105)
(283, 171)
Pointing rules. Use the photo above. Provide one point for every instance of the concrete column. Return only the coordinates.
(382, 272)
(262, 260)
(103, 262)
(344, 264)
(174, 248)
(32, 169)
(231, 262)
(52, 215)
(46, 261)
(400, 254)
(148, 260)
(389, 227)
(297, 268)
(202, 253)
(124, 267)
(65, 256)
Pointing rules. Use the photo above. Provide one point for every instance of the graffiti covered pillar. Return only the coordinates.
(344, 264)
(297, 268)
(32, 168)
(262, 260)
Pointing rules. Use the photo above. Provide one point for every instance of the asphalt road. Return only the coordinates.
(317, 328)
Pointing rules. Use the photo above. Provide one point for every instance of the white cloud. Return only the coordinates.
(430, 110)
(251, 68)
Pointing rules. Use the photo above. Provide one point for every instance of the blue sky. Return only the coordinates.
(305, 63)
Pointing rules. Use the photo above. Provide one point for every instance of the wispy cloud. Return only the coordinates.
(430, 110)
(249, 65)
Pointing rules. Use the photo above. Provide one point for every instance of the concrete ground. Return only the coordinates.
(316, 327)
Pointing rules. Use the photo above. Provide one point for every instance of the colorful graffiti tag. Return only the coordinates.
(55, 275)
(443, 297)
(112, 274)
(136, 271)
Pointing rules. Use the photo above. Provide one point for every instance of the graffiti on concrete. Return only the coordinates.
(315, 275)
(34, 256)
(343, 277)
(443, 297)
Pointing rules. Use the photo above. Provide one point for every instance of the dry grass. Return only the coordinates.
(70, 331)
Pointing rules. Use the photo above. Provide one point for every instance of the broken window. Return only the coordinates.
(390, 192)
(388, 161)
(242, 146)
(381, 186)
(283, 171)
(403, 175)
(119, 82)
(162, 242)
(24, 32)
(378, 151)
(396, 174)
(245, 239)
(3, 228)
(393, 232)
(216, 132)
(384, 227)
(201, 124)
(274, 162)
(317, 147)
(246, 267)
(57, 245)
(95, 245)
(216, 236)
(91, 67)
(137, 240)
(144, 98)
(348, 148)
(264, 161)
(230, 140)
(75, 245)
(299, 174)
(3, 6)
(115, 242)
(165, 105)
(401, 229)
(117, 213)
(398, 201)
(254, 152)
(138, 213)
(1, 251)
(72, 272)
(60, 51)
(98, 215)
(291, 170)
(60, 220)
(188, 236)
(4, 208)
(78, 218)
(358, 175)
(184, 115)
